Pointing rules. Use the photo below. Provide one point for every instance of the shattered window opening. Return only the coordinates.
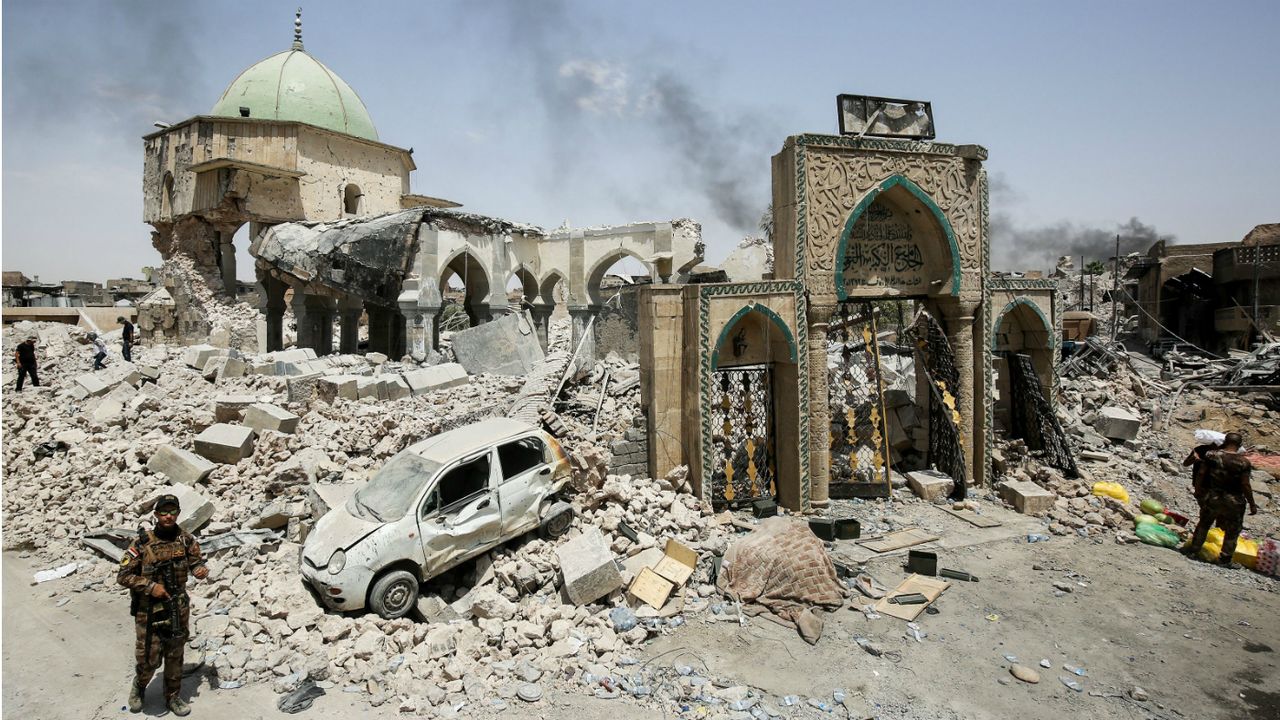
(521, 456)
(464, 482)
(392, 489)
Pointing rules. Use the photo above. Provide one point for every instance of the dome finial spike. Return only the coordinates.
(297, 29)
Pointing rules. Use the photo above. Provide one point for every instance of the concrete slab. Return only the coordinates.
(197, 356)
(92, 385)
(506, 346)
(224, 443)
(179, 466)
(333, 387)
(436, 377)
(1026, 497)
(264, 416)
(1117, 423)
(230, 408)
(929, 484)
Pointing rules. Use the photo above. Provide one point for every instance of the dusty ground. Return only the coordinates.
(1200, 640)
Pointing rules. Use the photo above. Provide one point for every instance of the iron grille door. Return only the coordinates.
(934, 356)
(1033, 418)
(742, 413)
(859, 448)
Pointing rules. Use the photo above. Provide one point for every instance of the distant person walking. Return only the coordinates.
(25, 359)
(126, 339)
(99, 351)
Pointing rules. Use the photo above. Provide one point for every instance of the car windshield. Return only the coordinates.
(393, 489)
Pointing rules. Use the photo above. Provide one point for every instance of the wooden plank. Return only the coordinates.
(928, 587)
(897, 540)
(971, 517)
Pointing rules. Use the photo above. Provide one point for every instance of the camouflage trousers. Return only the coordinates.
(1227, 511)
(163, 649)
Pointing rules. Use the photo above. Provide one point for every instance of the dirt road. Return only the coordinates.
(1203, 642)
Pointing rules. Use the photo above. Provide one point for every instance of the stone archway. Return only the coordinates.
(1021, 327)
(477, 290)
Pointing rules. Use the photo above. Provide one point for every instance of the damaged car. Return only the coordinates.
(432, 506)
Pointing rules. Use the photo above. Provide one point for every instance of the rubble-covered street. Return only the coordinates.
(255, 627)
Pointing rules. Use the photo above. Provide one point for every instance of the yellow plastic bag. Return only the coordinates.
(1111, 489)
(1246, 550)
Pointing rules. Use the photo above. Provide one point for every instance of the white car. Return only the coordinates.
(432, 506)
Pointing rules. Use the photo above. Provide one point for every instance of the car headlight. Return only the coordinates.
(337, 562)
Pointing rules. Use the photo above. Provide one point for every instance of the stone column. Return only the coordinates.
(326, 308)
(227, 261)
(580, 316)
(478, 313)
(417, 329)
(541, 314)
(272, 306)
(960, 317)
(305, 319)
(349, 311)
(819, 317)
(379, 329)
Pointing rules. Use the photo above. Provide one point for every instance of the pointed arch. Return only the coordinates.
(601, 266)
(897, 181)
(1013, 305)
(743, 312)
(475, 276)
(528, 282)
(547, 287)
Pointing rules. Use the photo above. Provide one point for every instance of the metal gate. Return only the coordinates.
(1032, 417)
(742, 415)
(859, 449)
(935, 359)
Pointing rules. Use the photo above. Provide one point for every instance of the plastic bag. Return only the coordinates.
(1246, 550)
(1151, 506)
(1205, 437)
(1156, 534)
(1111, 489)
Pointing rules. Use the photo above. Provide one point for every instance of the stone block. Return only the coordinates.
(92, 385)
(222, 366)
(264, 416)
(333, 387)
(224, 443)
(149, 374)
(1117, 423)
(179, 466)
(230, 408)
(394, 387)
(301, 388)
(195, 509)
(929, 484)
(588, 568)
(324, 497)
(506, 346)
(272, 517)
(368, 388)
(197, 356)
(376, 358)
(109, 412)
(290, 356)
(1026, 497)
(436, 377)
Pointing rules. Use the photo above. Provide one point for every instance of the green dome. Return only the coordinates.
(292, 85)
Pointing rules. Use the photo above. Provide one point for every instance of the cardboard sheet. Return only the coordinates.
(931, 588)
(972, 518)
(897, 540)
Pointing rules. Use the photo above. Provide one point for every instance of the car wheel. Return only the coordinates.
(394, 594)
(559, 518)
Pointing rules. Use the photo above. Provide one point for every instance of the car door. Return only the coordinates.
(522, 482)
(461, 516)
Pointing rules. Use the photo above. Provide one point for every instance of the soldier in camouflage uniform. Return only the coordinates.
(155, 569)
(1223, 494)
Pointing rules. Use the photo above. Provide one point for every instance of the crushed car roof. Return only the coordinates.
(470, 438)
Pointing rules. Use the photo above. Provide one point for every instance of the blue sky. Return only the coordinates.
(606, 112)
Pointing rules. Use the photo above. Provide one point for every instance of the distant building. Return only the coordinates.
(1205, 294)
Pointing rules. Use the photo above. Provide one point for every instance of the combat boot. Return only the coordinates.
(179, 707)
(135, 698)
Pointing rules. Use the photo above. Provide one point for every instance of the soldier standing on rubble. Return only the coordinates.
(155, 569)
(1196, 461)
(1225, 490)
(25, 358)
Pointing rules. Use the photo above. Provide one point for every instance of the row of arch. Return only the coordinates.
(467, 268)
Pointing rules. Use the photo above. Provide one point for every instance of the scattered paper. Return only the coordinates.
(56, 573)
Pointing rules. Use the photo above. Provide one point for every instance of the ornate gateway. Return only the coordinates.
(742, 419)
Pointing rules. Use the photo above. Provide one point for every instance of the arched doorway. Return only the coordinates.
(465, 291)
(754, 392)
(1021, 328)
(897, 271)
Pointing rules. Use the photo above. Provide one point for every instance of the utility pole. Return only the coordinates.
(1257, 256)
(1081, 282)
(1115, 289)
